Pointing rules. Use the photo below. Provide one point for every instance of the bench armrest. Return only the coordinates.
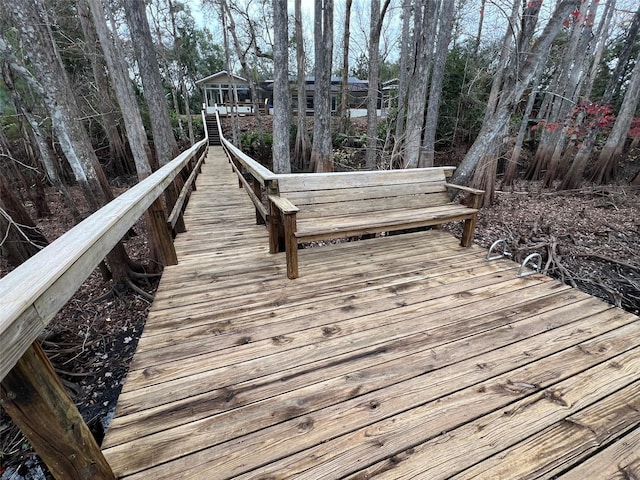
(474, 191)
(476, 199)
(282, 204)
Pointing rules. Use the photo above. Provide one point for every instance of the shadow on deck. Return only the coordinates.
(398, 357)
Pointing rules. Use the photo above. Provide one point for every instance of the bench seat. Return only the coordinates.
(359, 224)
(313, 207)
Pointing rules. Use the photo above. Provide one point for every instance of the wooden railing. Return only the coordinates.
(260, 176)
(32, 294)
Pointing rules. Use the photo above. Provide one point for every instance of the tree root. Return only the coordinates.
(120, 290)
(148, 297)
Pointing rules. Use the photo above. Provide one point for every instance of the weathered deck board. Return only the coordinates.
(398, 357)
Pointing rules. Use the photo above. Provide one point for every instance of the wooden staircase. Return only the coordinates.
(212, 129)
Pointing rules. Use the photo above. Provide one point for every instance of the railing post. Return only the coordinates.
(157, 223)
(36, 400)
(257, 189)
(171, 196)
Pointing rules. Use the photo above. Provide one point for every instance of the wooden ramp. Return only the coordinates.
(393, 358)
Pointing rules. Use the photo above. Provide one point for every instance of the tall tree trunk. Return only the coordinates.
(373, 93)
(371, 154)
(132, 118)
(435, 92)
(104, 103)
(59, 97)
(476, 43)
(321, 150)
(512, 93)
(281, 97)
(405, 62)
(424, 30)
(580, 55)
(344, 84)
(39, 140)
(34, 186)
(163, 139)
(242, 57)
(302, 150)
(53, 84)
(235, 134)
(605, 165)
(511, 172)
(138, 143)
(20, 239)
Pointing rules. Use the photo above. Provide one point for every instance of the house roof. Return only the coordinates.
(221, 73)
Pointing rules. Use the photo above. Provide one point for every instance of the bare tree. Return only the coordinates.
(104, 102)
(53, 85)
(19, 237)
(405, 64)
(426, 16)
(344, 84)
(163, 139)
(321, 149)
(445, 24)
(123, 88)
(281, 100)
(373, 94)
(132, 118)
(302, 149)
(242, 55)
(573, 73)
(529, 60)
(177, 50)
(605, 165)
(227, 59)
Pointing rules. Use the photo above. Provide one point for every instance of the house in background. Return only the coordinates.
(222, 88)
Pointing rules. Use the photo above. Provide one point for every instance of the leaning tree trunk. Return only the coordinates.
(302, 149)
(605, 165)
(281, 100)
(560, 158)
(511, 171)
(512, 93)
(137, 136)
(39, 140)
(104, 103)
(485, 172)
(321, 149)
(163, 139)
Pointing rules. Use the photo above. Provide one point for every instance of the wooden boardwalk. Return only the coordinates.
(392, 358)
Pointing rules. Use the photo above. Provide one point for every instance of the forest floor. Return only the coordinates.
(589, 237)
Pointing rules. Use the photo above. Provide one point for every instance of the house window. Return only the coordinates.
(244, 94)
(212, 96)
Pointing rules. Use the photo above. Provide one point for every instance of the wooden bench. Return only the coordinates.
(311, 207)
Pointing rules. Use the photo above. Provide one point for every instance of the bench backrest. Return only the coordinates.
(344, 193)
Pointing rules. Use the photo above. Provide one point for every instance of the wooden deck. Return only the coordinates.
(398, 357)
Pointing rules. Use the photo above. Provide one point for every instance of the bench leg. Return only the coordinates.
(291, 245)
(468, 230)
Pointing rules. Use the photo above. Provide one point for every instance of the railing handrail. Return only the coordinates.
(259, 172)
(32, 294)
